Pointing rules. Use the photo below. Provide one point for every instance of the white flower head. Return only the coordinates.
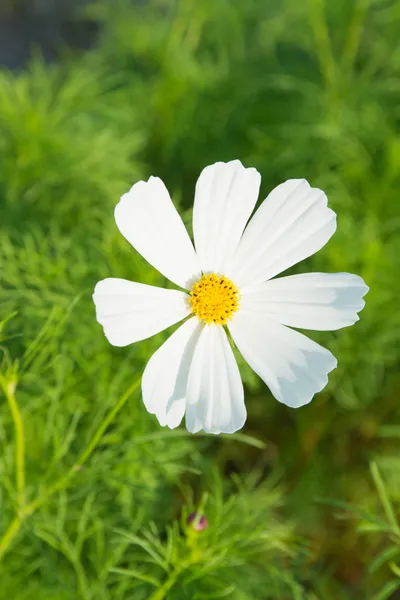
(228, 278)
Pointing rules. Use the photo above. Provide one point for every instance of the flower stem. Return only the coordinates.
(9, 392)
(26, 510)
(162, 592)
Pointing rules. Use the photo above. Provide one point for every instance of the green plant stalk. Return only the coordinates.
(64, 480)
(354, 33)
(9, 392)
(162, 592)
(384, 498)
(81, 577)
(323, 43)
(169, 583)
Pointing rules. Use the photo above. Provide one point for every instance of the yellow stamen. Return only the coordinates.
(214, 299)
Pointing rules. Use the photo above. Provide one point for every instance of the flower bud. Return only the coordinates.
(198, 522)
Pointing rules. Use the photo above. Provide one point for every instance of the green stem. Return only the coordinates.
(81, 577)
(9, 392)
(64, 480)
(354, 33)
(323, 43)
(162, 592)
(169, 583)
(9, 535)
(384, 498)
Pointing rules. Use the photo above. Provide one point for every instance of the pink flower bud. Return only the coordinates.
(198, 523)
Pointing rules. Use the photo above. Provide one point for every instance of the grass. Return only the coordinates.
(94, 495)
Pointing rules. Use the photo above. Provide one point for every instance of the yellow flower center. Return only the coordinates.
(214, 299)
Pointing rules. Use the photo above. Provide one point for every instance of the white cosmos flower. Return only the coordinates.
(229, 279)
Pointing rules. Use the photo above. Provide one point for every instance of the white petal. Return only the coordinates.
(226, 194)
(292, 223)
(215, 391)
(320, 301)
(131, 311)
(293, 366)
(147, 218)
(165, 377)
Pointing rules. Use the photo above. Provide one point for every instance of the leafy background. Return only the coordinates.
(94, 495)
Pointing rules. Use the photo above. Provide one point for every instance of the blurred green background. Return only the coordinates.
(94, 494)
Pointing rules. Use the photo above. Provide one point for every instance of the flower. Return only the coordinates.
(229, 283)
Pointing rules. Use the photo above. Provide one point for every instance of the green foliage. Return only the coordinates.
(94, 495)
